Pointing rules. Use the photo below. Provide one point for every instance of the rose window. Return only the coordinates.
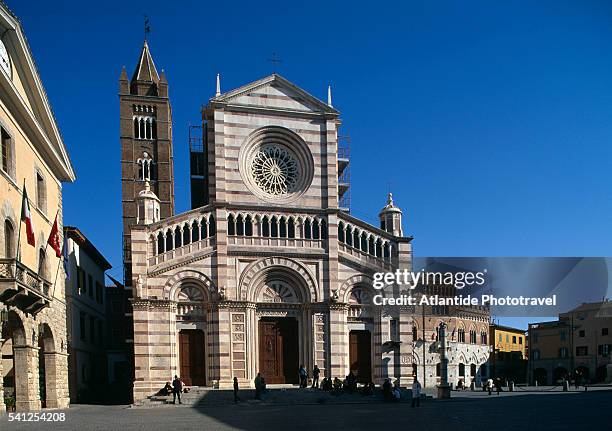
(275, 170)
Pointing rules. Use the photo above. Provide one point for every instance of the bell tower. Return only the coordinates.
(391, 218)
(146, 145)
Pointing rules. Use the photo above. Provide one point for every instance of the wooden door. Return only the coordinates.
(191, 353)
(360, 357)
(270, 352)
(278, 350)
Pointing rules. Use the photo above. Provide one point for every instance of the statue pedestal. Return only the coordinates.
(444, 391)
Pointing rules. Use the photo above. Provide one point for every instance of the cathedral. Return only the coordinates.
(268, 270)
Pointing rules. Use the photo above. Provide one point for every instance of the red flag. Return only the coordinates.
(54, 239)
(26, 216)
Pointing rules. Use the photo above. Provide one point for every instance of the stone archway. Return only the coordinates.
(192, 298)
(280, 291)
(19, 341)
(251, 278)
(48, 368)
(174, 284)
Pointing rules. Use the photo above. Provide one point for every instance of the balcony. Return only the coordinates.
(181, 235)
(366, 243)
(270, 230)
(23, 288)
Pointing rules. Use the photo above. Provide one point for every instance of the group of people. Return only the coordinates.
(391, 392)
(349, 384)
(490, 384)
(176, 388)
(303, 374)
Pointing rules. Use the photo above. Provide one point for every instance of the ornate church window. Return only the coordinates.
(190, 293)
(278, 292)
(275, 170)
(276, 164)
(358, 296)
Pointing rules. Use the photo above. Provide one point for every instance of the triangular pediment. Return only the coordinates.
(276, 93)
(25, 96)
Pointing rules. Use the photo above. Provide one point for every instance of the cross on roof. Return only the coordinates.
(147, 27)
(275, 62)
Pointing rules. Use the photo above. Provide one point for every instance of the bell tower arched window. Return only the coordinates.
(145, 167)
(145, 126)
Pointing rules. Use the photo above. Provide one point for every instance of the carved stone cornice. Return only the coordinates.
(339, 306)
(237, 305)
(316, 254)
(153, 303)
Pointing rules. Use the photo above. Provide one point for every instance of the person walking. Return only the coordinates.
(303, 377)
(258, 386)
(315, 376)
(236, 398)
(416, 393)
(177, 388)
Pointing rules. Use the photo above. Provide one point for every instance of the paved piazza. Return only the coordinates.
(467, 411)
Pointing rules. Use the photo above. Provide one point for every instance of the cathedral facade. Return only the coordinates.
(269, 271)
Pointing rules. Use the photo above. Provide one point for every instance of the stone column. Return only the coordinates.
(444, 388)
(142, 352)
(405, 348)
(56, 366)
(338, 340)
(27, 388)
(225, 335)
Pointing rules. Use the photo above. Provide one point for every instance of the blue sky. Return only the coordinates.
(489, 121)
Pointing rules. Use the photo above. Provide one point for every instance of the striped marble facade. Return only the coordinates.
(211, 268)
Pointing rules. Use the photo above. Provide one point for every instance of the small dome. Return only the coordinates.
(147, 193)
(390, 207)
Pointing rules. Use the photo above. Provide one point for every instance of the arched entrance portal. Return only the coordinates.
(360, 355)
(278, 349)
(281, 321)
(361, 327)
(191, 333)
(47, 367)
(191, 354)
(42, 372)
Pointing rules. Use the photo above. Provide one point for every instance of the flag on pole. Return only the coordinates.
(54, 239)
(66, 257)
(26, 216)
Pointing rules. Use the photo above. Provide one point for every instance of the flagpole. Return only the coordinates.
(18, 256)
(59, 261)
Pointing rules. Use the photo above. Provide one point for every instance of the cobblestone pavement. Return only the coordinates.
(469, 411)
